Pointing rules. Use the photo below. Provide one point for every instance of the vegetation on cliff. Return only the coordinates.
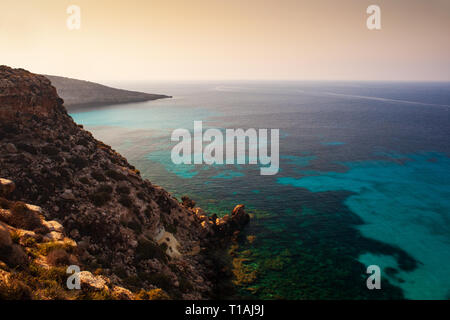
(131, 233)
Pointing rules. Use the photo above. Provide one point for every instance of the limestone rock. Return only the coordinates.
(53, 236)
(88, 280)
(11, 148)
(120, 293)
(6, 187)
(68, 195)
(53, 226)
(5, 237)
(239, 216)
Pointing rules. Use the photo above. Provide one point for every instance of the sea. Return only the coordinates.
(364, 180)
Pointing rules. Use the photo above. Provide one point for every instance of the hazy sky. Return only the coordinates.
(228, 39)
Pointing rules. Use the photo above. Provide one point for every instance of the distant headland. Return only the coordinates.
(79, 94)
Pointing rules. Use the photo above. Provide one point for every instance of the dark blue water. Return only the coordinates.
(364, 180)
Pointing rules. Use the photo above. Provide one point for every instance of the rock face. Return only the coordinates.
(33, 265)
(116, 218)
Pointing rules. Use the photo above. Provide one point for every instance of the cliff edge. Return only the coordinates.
(125, 229)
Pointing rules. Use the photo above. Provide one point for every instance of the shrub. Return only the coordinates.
(23, 218)
(157, 279)
(120, 272)
(84, 180)
(96, 295)
(185, 285)
(171, 228)
(125, 201)
(14, 290)
(29, 242)
(58, 257)
(15, 237)
(47, 247)
(155, 294)
(187, 202)
(133, 281)
(147, 249)
(115, 175)
(100, 198)
(105, 188)
(78, 162)
(83, 142)
(97, 175)
(123, 190)
(4, 204)
(141, 195)
(135, 225)
(26, 147)
(50, 150)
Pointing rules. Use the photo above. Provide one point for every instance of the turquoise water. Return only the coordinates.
(416, 219)
(364, 180)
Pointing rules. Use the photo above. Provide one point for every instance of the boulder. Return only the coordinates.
(11, 148)
(91, 282)
(68, 195)
(17, 257)
(6, 187)
(53, 226)
(120, 293)
(5, 237)
(53, 236)
(239, 216)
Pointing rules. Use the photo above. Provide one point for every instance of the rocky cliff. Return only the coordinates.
(125, 229)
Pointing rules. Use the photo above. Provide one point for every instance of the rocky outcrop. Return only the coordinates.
(33, 258)
(125, 228)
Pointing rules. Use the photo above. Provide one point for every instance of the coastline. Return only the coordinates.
(114, 217)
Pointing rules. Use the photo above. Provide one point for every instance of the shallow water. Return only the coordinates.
(364, 179)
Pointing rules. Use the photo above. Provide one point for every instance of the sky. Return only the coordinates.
(163, 40)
